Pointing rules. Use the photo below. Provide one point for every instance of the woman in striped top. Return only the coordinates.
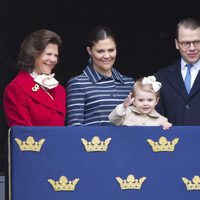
(93, 94)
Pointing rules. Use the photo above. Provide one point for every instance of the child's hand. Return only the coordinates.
(166, 125)
(128, 101)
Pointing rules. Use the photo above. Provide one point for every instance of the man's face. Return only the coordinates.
(190, 38)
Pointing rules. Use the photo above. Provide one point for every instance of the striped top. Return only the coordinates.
(91, 96)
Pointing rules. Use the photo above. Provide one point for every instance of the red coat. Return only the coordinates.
(26, 107)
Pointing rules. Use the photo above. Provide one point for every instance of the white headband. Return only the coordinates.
(152, 80)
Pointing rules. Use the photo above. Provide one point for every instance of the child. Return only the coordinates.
(138, 109)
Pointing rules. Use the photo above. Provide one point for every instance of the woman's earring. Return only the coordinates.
(90, 60)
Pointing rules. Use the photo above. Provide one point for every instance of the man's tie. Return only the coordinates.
(188, 78)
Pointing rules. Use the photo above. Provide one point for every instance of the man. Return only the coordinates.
(180, 93)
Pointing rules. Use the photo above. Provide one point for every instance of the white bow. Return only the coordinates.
(48, 81)
(152, 80)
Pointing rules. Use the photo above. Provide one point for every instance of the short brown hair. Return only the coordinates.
(190, 23)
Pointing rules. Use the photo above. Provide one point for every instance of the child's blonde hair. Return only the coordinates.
(145, 87)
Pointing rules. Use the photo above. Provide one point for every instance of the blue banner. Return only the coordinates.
(53, 163)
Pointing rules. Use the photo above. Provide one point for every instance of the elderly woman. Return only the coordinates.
(34, 97)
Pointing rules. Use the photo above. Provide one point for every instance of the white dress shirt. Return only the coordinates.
(194, 70)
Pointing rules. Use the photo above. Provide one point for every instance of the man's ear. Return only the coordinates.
(176, 44)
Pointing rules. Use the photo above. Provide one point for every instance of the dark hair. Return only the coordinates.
(34, 45)
(190, 23)
(99, 33)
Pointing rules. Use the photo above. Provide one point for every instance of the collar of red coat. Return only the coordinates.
(35, 91)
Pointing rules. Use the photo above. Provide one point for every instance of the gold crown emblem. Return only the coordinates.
(63, 184)
(163, 144)
(192, 185)
(130, 183)
(96, 144)
(30, 144)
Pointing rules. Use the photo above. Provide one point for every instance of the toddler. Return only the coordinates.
(138, 109)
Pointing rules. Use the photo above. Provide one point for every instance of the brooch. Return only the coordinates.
(35, 88)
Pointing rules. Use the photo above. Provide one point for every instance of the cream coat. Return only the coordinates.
(131, 117)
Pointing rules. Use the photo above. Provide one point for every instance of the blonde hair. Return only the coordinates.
(144, 87)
